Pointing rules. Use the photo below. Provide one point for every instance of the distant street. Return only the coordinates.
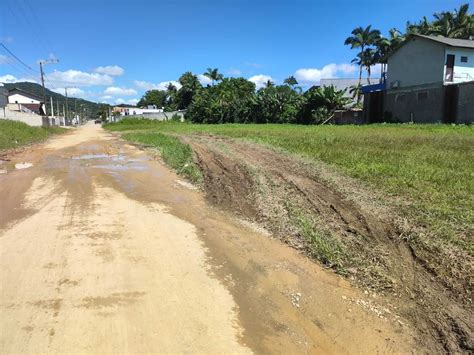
(104, 250)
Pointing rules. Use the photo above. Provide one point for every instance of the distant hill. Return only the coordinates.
(89, 108)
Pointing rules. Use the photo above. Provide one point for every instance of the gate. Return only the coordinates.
(450, 103)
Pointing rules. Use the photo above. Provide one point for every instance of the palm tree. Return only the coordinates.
(362, 38)
(457, 24)
(269, 84)
(214, 75)
(355, 91)
(291, 81)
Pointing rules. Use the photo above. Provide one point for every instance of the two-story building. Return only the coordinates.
(429, 79)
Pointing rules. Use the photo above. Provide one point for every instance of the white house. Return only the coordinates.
(136, 111)
(423, 60)
(429, 79)
(26, 102)
(18, 96)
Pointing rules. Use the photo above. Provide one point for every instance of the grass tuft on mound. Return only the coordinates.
(176, 154)
(14, 134)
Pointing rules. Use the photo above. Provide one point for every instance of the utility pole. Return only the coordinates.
(75, 108)
(52, 107)
(67, 108)
(41, 63)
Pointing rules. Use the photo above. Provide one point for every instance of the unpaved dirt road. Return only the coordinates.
(105, 250)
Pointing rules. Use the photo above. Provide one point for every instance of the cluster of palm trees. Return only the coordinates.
(374, 48)
(214, 75)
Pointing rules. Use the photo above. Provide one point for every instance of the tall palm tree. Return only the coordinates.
(214, 75)
(291, 81)
(269, 84)
(457, 24)
(362, 38)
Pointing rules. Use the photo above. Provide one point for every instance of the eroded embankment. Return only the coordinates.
(345, 226)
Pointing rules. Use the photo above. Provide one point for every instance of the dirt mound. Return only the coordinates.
(338, 222)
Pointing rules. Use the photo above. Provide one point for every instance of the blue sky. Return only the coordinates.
(114, 50)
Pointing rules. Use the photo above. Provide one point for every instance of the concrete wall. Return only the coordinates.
(420, 61)
(466, 103)
(406, 105)
(419, 104)
(29, 119)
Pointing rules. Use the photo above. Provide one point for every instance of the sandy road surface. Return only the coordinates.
(103, 249)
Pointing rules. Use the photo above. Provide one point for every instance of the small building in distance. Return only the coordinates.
(137, 111)
(26, 102)
(429, 79)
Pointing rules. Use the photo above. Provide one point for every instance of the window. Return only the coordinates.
(463, 59)
(422, 95)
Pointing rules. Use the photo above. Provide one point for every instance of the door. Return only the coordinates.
(376, 107)
(449, 67)
(450, 103)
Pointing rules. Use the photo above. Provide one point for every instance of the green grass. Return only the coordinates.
(430, 166)
(15, 134)
(174, 153)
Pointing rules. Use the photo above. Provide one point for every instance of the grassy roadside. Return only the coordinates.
(174, 153)
(14, 134)
(428, 167)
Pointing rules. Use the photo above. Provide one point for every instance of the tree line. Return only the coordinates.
(236, 100)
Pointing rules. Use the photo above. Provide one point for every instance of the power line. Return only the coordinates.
(18, 59)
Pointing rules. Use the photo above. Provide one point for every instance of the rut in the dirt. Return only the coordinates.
(268, 187)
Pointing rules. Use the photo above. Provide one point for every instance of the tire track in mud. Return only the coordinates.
(232, 170)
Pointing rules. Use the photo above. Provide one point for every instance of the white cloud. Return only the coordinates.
(145, 85)
(132, 102)
(311, 76)
(260, 80)
(106, 97)
(116, 91)
(7, 79)
(204, 80)
(253, 65)
(71, 92)
(234, 71)
(78, 78)
(112, 70)
(119, 101)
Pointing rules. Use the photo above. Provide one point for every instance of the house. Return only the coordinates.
(137, 111)
(429, 79)
(18, 105)
(26, 102)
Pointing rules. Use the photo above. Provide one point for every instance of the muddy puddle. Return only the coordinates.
(9, 166)
(114, 162)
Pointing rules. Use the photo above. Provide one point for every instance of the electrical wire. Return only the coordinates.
(18, 59)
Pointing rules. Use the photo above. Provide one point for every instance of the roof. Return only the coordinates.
(451, 42)
(26, 93)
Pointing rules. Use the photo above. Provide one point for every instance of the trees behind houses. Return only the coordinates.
(236, 100)
(373, 47)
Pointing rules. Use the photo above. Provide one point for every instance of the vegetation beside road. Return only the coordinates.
(14, 134)
(176, 154)
(388, 206)
(429, 166)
